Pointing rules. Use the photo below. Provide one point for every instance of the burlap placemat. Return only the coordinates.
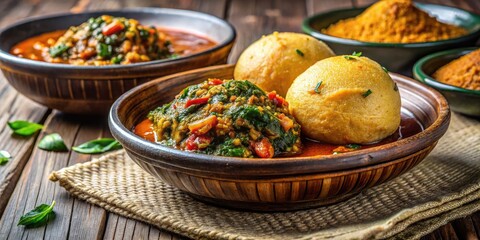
(445, 186)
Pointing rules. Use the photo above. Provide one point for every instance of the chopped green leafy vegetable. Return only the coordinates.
(317, 90)
(368, 92)
(104, 50)
(100, 145)
(299, 52)
(57, 50)
(53, 142)
(24, 128)
(385, 69)
(117, 59)
(39, 216)
(4, 157)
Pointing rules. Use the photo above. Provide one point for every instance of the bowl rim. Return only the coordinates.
(6, 56)
(275, 166)
(306, 27)
(420, 75)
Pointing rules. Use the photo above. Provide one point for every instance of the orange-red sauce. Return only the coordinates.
(409, 126)
(183, 43)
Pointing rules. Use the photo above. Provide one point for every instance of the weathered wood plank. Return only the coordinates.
(318, 6)
(15, 107)
(252, 19)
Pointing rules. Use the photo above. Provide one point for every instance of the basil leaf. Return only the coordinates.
(100, 145)
(4, 157)
(39, 216)
(24, 128)
(53, 142)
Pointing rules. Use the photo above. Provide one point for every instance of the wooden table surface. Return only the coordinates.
(24, 180)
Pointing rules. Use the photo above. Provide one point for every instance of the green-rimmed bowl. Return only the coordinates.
(396, 57)
(461, 100)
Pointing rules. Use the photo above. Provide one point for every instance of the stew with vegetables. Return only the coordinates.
(225, 117)
(108, 40)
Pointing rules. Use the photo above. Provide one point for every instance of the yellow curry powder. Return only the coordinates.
(394, 21)
(463, 72)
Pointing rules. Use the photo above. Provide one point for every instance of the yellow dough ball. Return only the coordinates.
(274, 61)
(345, 99)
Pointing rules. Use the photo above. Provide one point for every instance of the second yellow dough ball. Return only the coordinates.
(274, 61)
(345, 99)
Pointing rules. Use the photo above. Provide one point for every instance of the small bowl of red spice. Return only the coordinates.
(395, 33)
(456, 74)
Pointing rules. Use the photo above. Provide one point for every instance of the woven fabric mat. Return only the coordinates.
(445, 186)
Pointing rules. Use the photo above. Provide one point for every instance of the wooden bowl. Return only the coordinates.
(93, 89)
(405, 53)
(278, 183)
(462, 100)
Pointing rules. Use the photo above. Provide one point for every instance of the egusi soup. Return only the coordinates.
(236, 118)
(108, 40)
(225, 117)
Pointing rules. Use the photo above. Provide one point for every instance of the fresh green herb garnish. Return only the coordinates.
(353, 146)
(104, 50)
(368, 92)
(53, 142)
(117, 59)
(385, 69)
(317, 90)
(299, 52)
(24, 128)
(353, 56)
(56, 51)
(100, 145)
(4, 157)
(144, 33)
(395, 87)
(39, 216)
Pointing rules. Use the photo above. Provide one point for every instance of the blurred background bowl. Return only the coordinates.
(396, 57)
(92, 89)
(461, 100)
(275, 184)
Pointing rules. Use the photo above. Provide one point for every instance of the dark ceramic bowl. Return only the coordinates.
(279, 183)
(461, 100)
(396, 57)
(92, 89)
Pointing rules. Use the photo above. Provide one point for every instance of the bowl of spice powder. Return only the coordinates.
(395, 33)
(456, 74)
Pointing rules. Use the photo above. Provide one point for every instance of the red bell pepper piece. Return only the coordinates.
(196, 101)
(264, 148)
(112, 28)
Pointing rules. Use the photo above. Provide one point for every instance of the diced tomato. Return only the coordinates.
(214, 81)
(112, 28)
(277, 99)
(151, 31)
(196, 101)
(190, 143)
(264, 148)
(195, 142)
(285, 121)
(202, 126)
